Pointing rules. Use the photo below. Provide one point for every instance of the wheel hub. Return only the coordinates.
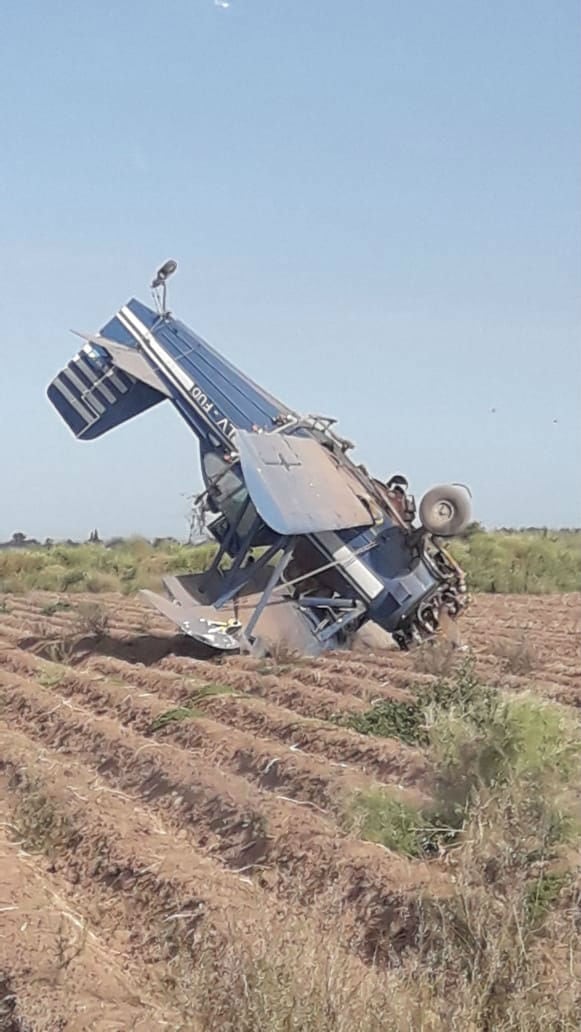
(444, 511)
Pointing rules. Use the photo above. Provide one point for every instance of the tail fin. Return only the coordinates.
(93, 393)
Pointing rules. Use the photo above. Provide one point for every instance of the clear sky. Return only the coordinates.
(375, 207)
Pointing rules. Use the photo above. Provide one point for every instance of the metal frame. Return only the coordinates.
(326, 615)
(272, 582)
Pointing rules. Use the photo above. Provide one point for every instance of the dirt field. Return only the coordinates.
(147, 795)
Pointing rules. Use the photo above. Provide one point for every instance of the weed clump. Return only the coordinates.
(376, 816)
(409, 720)
(483, 747)
(518, 657)
(55, 607)
(92, 619)
(39, 824)
(211, 690)
(389, 719)
(173, 716)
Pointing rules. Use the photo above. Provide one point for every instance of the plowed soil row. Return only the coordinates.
(149, 797)
(260, 760)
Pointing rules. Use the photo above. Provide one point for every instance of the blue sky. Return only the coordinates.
(375, 208)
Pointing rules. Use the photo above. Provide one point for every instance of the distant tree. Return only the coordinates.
(18, 538)
(94, 537)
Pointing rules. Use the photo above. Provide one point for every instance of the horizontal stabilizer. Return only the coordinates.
(295, 485)
(130, 360)
(93, 394)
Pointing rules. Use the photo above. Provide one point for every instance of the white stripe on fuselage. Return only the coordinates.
(146, 338)
(164, 361)
(354, 569)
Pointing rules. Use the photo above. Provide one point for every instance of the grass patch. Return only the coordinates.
(521, 562)
(472, 964)
(191, 711)
(543, 893)
(173, 716)
(123, 566)
(208, 691)
(389, 719)
(55, 607)
(39, 824)
(51, 677)
(521, 740)
(502, 951)
(376, 816)
(277, 976)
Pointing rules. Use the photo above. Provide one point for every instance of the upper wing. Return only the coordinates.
(295, 485)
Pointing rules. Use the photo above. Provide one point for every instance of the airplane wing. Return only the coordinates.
(295, 485)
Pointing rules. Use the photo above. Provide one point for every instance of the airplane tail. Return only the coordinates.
(94, 393)
(140, 358)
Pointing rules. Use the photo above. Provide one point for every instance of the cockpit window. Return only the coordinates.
(228, 489)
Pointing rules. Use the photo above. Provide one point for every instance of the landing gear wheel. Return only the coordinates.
(445, 510)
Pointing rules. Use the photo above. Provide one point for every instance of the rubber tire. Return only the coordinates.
(458, 502)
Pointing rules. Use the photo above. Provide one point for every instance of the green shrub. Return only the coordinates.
(389, 719)
(520, 562)
(378, 817)
(409, 721)
(51, 578)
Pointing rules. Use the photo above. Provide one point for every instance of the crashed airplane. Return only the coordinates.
(311, 547)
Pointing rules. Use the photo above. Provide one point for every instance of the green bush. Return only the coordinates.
(409, 720)
(127, 566)
(524, 562)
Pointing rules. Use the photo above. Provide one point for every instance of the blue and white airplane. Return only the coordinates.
(310, 546)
